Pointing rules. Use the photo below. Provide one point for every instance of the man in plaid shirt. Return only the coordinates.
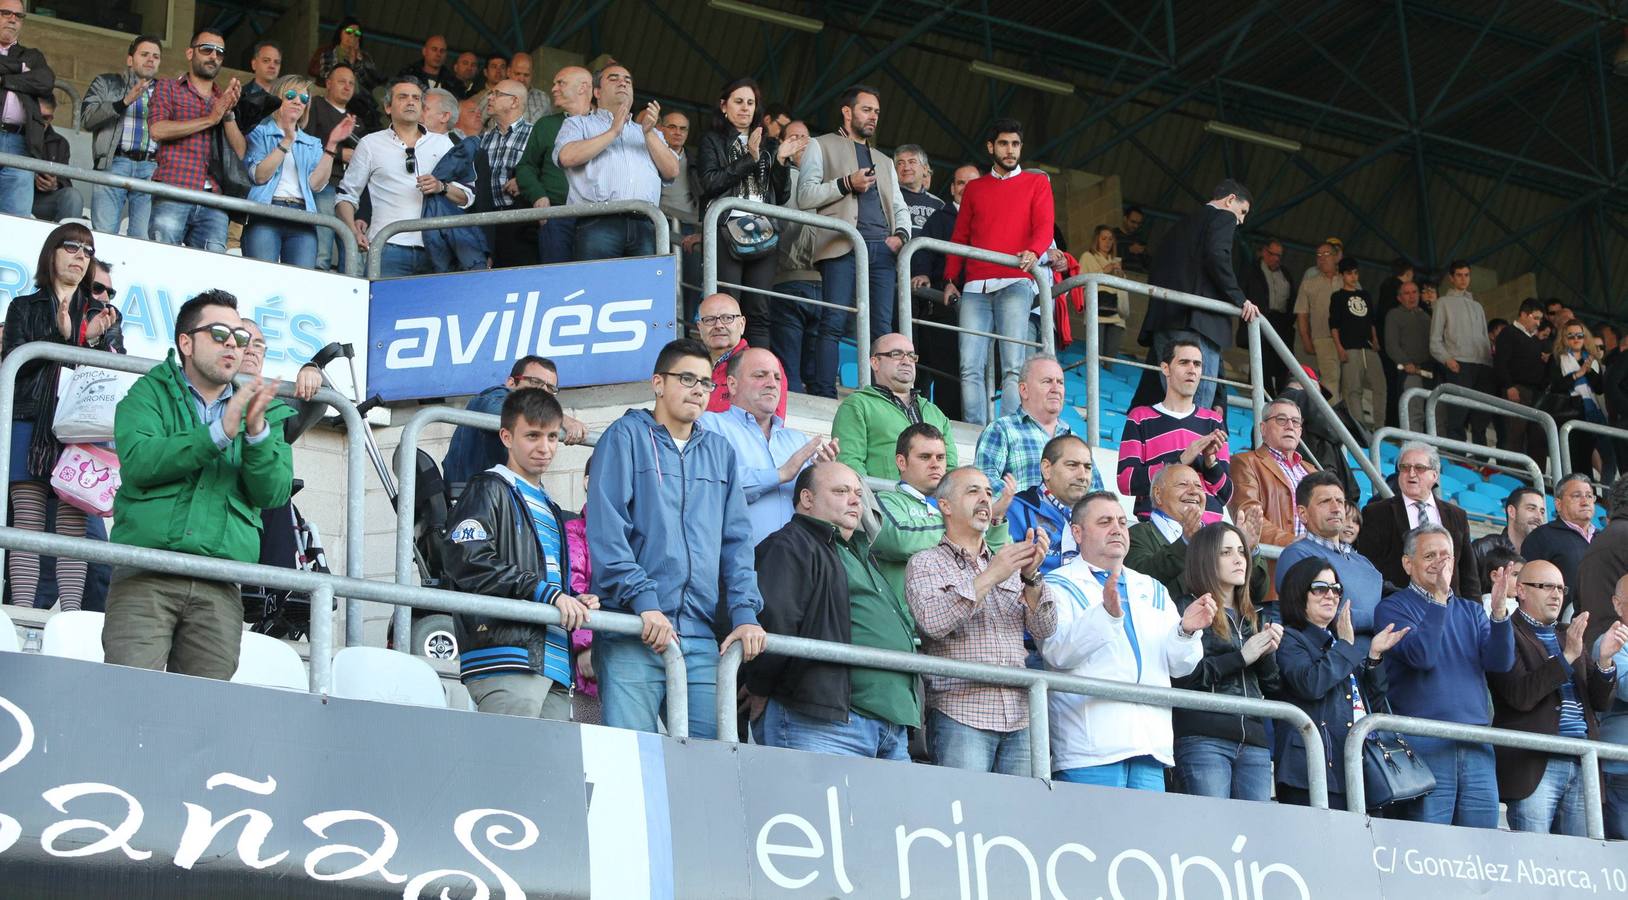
(1015, 442)
(504, 142)
(186, 111)
(973, 604)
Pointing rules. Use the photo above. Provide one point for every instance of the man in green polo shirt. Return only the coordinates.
(820, 581)
(541, 181)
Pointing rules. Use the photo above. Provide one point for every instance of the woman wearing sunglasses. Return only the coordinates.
(288, 168)
(62, 311)
(346, 47)
(1576, 383)
(1324, 672)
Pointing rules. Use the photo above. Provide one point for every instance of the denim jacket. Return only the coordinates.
(307, 156)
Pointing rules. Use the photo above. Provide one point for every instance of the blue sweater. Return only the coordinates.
(1030, 510)
(1439, 671)
(1363, 584)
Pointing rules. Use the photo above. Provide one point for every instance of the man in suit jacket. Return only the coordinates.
(1557, 688)
(1522, 372)
(1196, 257)
(1603, 565)
(1274, 286)
(1386, 522)
(25, 79)
(1564, 540)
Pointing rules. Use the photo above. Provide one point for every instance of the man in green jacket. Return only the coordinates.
(199, 458)
(868, 423)
(541, 181)
(910, 521)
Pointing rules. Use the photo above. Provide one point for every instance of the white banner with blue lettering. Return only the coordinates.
(460, 333)
(299, 310)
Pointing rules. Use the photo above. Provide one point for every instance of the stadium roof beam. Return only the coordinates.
(567, 29)
(969, 144)
(813, 101)
(689, 40)
(498, 44)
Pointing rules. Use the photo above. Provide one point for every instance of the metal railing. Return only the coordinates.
(323, 586)
(1465, 447)
(407, 494)
(347, 238)
(1589, 752)
(1610, 431)
(861, 310)
(355, 441)
(658, 222)
(1459, 395)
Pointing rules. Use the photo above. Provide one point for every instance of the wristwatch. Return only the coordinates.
(1031, 582)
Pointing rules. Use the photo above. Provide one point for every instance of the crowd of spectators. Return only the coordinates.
(717, 524)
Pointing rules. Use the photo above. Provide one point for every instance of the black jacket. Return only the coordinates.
(805, 594)
(1385, 523)
(1314, 673)
(39, 81)
(1555, 541)
(718, 177)
(1223, 671)
(1528, 697)
(940, 225)
(1517, 360)
(491, 549)
(32, 317)
(1195, 256)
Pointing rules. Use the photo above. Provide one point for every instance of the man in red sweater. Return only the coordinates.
(1008, 211)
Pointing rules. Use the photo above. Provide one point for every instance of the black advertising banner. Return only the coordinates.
(115, 782)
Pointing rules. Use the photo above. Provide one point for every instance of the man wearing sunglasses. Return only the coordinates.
(186, 111)
(200, 458)
(25, 80)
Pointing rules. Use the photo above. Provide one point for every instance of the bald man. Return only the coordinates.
(537, 103)
(541, 180)
(722, 330)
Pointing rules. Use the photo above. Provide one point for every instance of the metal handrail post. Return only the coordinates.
(1589, 752)
(1567, 428)
(321, 637)
(727, 688)
(905, 321)
(1459, 395)
(1403, 418)
(347, 238)
(664, 240)
(1093, 364)
(861, 310)
(1257, 373)
(1039, 729)
(1388, 433)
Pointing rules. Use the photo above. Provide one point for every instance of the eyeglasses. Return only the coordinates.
(1575, 336)
(1286, 421)
(1327, 587)
(1416, 468)
(17, 14)
(412, 161)
(1324, 254)
(220, 334)
(897, 355)
(1545, 586)
(292, 94)
(354, 31)
(690, 381)
(79, 248)
(101, 290)
(533, 382)
(210, 49)
(725, 319)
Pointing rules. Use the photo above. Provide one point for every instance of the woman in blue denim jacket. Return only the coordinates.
(288, 167)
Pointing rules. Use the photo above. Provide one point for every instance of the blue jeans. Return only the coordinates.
(1616, 806)
(1212, 767)
(1466, 785)
(1005, 312)
(1555, 806)
(198, 227)
(401, 261)
(633, 684)
(557, 240)
(609, 237)
(860, 736)
(959, 746)
(838, 276)
(805, 338)
(16, 185)
(327, 255)
(109, 205)
(1205, 398)
(275, 240)
(1139, 773)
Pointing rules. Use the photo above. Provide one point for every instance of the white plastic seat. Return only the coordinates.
(8, 635)
(387, 676)
(76, 635)
(268, 662)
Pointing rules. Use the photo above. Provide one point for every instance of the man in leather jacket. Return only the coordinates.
(508, 541)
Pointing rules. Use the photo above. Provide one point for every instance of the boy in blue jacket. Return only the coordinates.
(667, 530)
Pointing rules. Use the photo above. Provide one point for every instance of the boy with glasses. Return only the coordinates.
(200, 458)
(186, 111)
(668, 533)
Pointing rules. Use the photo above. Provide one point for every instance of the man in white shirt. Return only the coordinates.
(1121, 625)
(768, 455)
(394, 167)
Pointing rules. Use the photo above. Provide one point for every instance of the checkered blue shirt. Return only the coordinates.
(503, 150)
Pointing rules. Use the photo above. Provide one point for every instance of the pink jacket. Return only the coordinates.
(576, 548)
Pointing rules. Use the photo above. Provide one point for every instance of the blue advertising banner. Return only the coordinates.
(445, 335)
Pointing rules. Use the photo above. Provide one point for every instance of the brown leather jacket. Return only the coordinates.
(1258, 481)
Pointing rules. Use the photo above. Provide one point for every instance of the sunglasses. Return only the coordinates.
(220, 334)
(354, 31)
(1325, 587)
(13, 14)
(210, 49)
(292, 94)
(102, 290)
(412, 161)
(78, 248)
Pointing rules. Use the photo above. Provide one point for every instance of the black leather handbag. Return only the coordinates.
(1391, 771)
(226, 168)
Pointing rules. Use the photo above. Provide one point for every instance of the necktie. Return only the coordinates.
(1424, 513)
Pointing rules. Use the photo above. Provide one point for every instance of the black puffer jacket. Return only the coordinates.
(491, 549)
(719, 176)
(32, 317)
(1222, 671)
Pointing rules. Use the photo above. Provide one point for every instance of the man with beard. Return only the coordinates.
(186, 110)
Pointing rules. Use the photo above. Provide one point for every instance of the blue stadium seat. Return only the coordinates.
(1505, 481)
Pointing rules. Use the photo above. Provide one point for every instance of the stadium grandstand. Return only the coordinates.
(1208, 418)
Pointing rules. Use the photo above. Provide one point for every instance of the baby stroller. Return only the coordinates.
(290, 541)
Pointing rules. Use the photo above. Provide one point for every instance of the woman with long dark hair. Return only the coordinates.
(1220, 754)
(1324, 672)
(61, 311)
(738, 160)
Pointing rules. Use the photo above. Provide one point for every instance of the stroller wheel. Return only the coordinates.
(433, 637)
